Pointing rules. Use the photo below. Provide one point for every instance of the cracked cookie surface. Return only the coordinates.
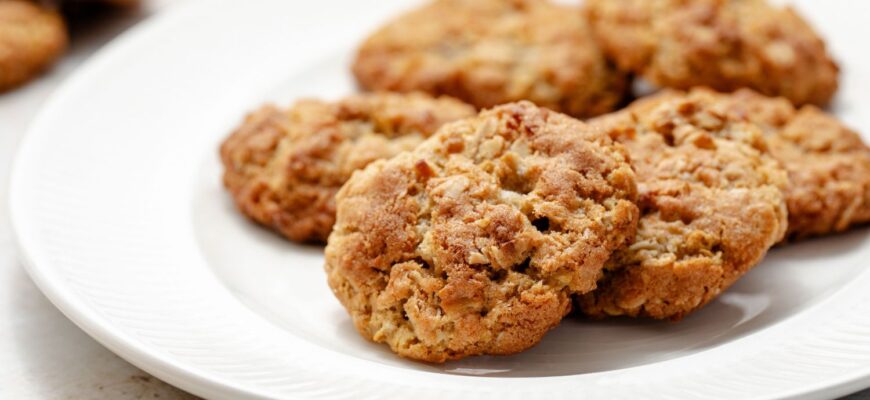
(489, 52)
(283, 167)
(711, 202)
(828, 164)
(473, 243)
(722, 44)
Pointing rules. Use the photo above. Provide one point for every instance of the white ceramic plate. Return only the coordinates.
(122, 221)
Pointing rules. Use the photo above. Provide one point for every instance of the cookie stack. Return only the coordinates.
(466, 210)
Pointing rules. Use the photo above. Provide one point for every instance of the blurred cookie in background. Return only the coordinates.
(489, 52)
(32, 38)
(724, 45)
(34, 34)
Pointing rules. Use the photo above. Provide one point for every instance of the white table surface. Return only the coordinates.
(42, 354)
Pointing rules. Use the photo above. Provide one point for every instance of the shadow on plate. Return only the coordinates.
(770, 294)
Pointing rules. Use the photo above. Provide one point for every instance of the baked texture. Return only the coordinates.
(711, 202)
(283, 167)
(472, 243)
(722, 44)
(828, 164)
(31, 39)
(489, 52)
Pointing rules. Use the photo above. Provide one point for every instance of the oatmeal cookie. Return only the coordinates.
(828, 164)
(722, 44)
(711, 206)
(283, 167)
(472, 243)
(31, 39)
(489, 52)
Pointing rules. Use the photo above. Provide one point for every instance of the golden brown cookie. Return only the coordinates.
(31, 39)
(722, 44)
(472, 243)
(283, 167)
(711, 206)
(489, 52)
(828, 164)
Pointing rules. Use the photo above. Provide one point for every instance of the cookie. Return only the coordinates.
(722, 44)
(828, 164)
(283, 167)
(31, 39)
(711, 202)
(489, 52)
(472, 243)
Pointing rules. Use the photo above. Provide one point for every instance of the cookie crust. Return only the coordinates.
(489, 52)
(31, 40)
(711, 202)
(722, 44)
(472, 243)
(828, 164)
(283, 167)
